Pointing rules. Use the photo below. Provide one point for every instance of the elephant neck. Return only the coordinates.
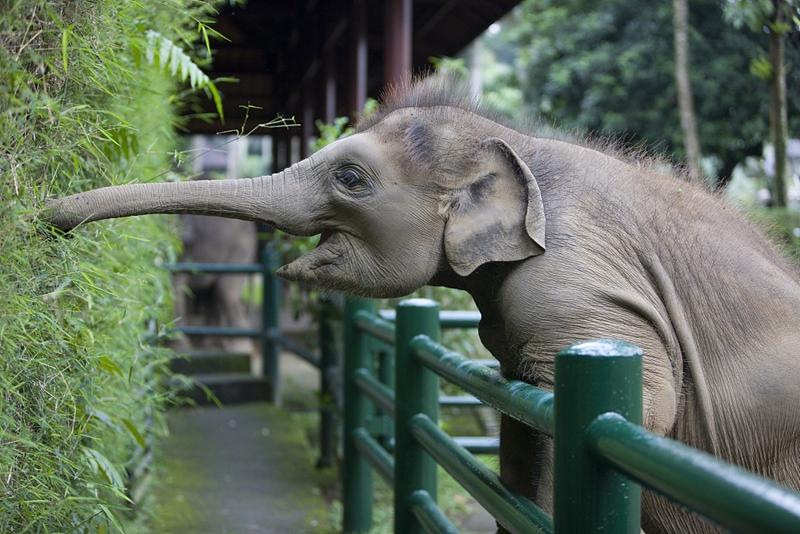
(485, 286)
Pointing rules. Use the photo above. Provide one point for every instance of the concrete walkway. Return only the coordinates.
(239, 469)
(247, 468)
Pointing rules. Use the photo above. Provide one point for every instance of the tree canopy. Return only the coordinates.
(608, 67)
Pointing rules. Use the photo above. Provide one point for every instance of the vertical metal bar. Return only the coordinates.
(417, 391)
(593, 378)
(328, 366)
(357, 474)
(270, 311)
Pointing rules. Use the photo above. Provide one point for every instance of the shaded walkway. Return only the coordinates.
(240, 469)
(247, 468)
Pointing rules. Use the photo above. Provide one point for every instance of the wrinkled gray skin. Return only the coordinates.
(215, 240)
(430, 192)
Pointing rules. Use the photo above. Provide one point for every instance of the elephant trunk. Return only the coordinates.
(273, 199)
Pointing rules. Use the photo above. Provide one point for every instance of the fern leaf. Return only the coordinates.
(174, 61)
(166, 55)
(150, 52)
(184, 69)
(164, 49)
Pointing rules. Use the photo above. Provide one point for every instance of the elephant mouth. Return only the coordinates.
(324, 236)
(311, 267)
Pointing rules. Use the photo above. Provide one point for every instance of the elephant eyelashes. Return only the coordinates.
(353, 182)
(347, 178)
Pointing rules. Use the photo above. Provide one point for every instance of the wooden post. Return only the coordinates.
(330, 86)
(357, 84)
(397, 41)
(307, 126)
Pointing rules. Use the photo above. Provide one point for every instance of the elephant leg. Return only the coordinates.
(525, 460)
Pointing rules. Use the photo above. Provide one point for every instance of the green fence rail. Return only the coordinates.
(602, 456)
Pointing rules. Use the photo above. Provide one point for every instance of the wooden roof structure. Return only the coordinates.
(321, 59)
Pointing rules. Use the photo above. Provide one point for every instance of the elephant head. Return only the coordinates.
(413, 193)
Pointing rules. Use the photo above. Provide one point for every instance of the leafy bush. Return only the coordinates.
(85, 101)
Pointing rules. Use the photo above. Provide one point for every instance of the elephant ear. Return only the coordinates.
(497, 216)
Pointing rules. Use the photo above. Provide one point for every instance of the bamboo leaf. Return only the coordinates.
(104, 466)
(103, 417)
(202, 29)
(112, 517)
(135, 433)
(65, 47)
(105, 363)
(217, 100)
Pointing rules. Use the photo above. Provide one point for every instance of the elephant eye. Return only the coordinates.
(348, 178)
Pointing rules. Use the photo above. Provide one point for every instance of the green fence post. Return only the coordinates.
(270, 312)
(357, 473)
(328, 365)
(593, 378)
(417, 391)
(386, 375)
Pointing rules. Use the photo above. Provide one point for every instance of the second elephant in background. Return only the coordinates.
(217, 298)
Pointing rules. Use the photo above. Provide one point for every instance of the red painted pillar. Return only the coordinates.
(397, 41)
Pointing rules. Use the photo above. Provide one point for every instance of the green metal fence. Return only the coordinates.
(602, 455)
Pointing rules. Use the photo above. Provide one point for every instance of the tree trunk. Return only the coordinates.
(778, 119)
(680, 24)
(476, 68)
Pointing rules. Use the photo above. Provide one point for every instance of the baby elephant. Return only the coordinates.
(557, 241)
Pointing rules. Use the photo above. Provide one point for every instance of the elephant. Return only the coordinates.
(558, 239)
(218, 296)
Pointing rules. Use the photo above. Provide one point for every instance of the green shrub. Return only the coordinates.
(85, 101)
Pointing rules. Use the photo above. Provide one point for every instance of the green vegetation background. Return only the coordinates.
(87, 98)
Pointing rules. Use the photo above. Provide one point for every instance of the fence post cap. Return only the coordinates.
(418, 303)
(602, 348)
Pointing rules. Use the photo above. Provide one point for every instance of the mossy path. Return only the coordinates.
(239, 469)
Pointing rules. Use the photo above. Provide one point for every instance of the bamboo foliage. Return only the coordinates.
(81, 106)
